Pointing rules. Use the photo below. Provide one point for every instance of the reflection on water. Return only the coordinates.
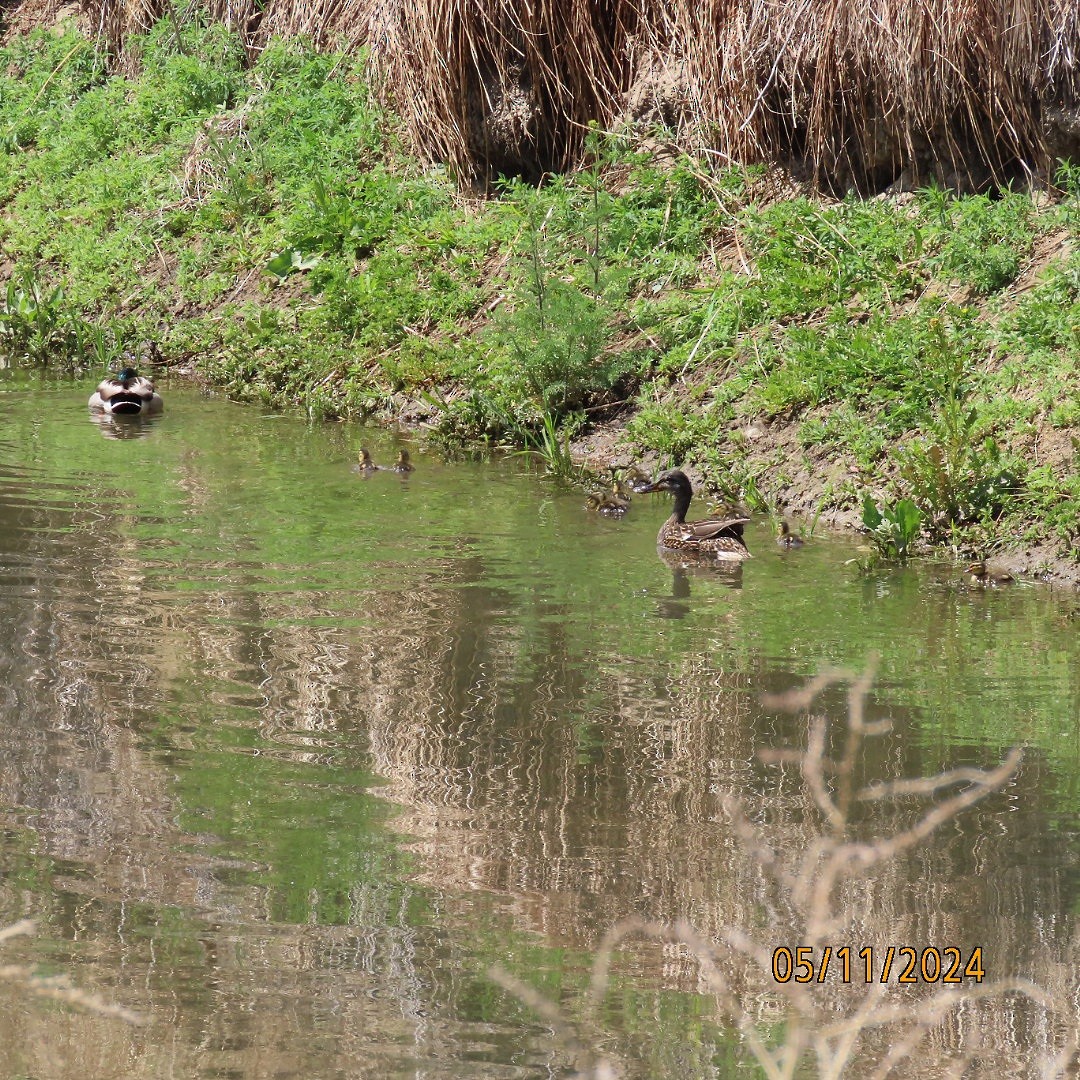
(123, 425)
(291, 757)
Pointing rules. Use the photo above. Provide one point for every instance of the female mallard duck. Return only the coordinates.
(367, 466)
(128, 393)
(979, 574)
(786, 538)
(403, 464)
(719, 538)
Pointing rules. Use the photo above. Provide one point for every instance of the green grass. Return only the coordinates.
(268, 222)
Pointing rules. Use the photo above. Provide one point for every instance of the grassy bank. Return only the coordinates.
(264, 227)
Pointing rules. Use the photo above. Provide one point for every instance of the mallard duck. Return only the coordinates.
(979, 574)
(366, 464)
(786, 538)
(720, 538)
(403, 464)
(128, 393)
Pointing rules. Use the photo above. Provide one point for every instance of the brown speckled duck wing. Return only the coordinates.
(711, 529)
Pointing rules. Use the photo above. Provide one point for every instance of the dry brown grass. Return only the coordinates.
(842, 91)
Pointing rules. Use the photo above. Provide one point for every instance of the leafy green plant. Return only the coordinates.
(892, 529)
(552, 447)
(242, 178)
(982, 239)
(955, 478)
(290, 260)
(36, 324)
(955, 473)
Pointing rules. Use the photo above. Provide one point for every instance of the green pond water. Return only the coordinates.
(291, 759)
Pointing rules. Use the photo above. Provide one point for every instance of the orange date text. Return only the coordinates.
(901, 964)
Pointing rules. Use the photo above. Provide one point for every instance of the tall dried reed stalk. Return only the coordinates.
(847, 91)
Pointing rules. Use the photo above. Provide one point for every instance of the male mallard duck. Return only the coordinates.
(366, 464)
(403, 464)
(787, 539)
(719, 538)
(979, 574)
(128, 393)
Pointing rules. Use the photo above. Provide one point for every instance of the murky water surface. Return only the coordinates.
(290, 759)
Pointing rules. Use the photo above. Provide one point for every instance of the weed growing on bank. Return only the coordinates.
(264, 225)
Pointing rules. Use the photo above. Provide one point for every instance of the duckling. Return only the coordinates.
(367, 466)
(129, 393)
(615, 500)
(609, 503)
(403, 464)
(622, 490)
(979, 574)
(720, 538)
(636, 478)
(786, 538)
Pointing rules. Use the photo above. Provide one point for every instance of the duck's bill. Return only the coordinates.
(643, 487)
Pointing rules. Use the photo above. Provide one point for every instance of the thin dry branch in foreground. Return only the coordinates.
(872, 1023)
(58, 987)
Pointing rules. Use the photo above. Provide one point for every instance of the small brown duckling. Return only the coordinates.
(787, 539)
(609, 503)
(366, 464)
(636, 478)
(403, 464)
(979, 574)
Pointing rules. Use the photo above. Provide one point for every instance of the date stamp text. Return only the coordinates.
(902, 964)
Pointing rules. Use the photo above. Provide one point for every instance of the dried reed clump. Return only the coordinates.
(860, 91)
(207, 161)
(863, 1025)
(505, 87)
(864, 92)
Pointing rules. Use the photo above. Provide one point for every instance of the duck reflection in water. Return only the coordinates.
(677, 605)
(124, 425)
